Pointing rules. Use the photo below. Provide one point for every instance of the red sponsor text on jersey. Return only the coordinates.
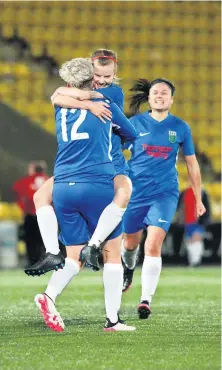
(157, 151)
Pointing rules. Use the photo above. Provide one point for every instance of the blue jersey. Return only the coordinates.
(154, 154)
(115, 93)
(84, 144)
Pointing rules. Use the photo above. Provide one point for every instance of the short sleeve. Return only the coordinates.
(187, 143)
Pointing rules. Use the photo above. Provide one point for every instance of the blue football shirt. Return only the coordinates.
(84, 144)
(154, 154)
(115, 93)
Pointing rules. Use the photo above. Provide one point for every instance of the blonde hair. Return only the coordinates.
(77, 72)
(104, 58)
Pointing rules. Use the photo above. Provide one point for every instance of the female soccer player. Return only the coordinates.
(83, 187)
(105, 69)
(155, 182)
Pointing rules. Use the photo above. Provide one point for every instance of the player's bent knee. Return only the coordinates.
(153, 249)
(41, 198)
(122, 198)
(154, 241)
(131, 241)
(112, 250)
(111, 255)
(73, 252)
(123, 191)
(107, 258)
(37, 199)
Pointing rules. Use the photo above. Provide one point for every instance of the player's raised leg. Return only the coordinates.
(48, 226)
(47, 219)
(113, 213)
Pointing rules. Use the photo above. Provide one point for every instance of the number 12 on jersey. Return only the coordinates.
(76, 124)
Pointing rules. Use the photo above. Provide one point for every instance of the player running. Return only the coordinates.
(155, 182)
(105, 69)
(83, 187)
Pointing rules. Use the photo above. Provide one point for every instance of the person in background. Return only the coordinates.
(24, 189)
(194, 226)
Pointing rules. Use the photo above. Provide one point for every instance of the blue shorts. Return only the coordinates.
(122, 171)
(78, 207)
(191, 229)
(155, 211)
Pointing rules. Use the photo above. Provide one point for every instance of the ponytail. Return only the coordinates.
(142, 86)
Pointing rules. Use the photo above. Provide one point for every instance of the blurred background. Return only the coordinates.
(176, 40)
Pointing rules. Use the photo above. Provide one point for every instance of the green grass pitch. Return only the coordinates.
(183, 332)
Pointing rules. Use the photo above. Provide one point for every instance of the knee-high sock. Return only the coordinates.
(129, 257)
(48, 227)
(151, 270)
(61, 278)
(195, 252)
(108, 221)
(113, 282)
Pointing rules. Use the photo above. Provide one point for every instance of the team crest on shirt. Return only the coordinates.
(172, 136)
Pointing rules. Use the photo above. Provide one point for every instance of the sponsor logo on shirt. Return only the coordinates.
(157, 151)
(172, 136)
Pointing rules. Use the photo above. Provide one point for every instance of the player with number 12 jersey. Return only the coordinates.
(84, 156)
(84, 144)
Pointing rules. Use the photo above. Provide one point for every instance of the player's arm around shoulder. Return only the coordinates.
(78, 94)
(98, 109)
(67, 102)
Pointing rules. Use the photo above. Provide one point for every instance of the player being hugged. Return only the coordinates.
(83, 188)
(105, 81)
(154, 177)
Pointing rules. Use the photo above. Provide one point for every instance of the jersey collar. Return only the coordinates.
(154, 120)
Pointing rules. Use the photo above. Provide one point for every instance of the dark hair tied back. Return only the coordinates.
(143, 87)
